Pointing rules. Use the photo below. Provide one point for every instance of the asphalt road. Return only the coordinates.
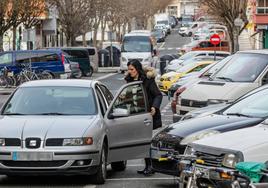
(127, 179)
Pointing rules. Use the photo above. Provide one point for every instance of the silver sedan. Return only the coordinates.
(73, 127)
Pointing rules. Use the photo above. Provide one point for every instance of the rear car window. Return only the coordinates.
(77, 53)
(5, 58)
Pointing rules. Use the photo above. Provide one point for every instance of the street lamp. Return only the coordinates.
(110, 37)
(238, 22)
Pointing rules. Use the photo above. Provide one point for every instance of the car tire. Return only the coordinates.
(190, 34)
(89, 73)
(119, 166)
(78, 74)
(100, 176)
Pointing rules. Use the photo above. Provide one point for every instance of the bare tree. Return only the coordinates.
(8, 17)
(73, 16)
(226, 11)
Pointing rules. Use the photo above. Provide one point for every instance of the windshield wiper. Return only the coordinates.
(238, 114)
(51, 113)
(225, 78)
(19, 114)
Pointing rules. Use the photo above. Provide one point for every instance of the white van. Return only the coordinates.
(139, 45)
(245, 71)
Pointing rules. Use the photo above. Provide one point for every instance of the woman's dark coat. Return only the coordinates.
(153, 93)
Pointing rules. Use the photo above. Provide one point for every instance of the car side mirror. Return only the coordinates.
(119, 112)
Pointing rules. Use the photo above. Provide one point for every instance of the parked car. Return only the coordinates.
(72, 69)
(51, 61)
(159, 35)
(169, 78)
(79, 55)
(183, 84)
(206, 45)
(230, 148)
(245, 71)
(247, 111)
(73, 127)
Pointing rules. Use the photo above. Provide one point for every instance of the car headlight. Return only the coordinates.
(77, 141)
(216, 101)
(189, 151)
(2, 142)
(124, 59)
(197, 136)
(230, 160)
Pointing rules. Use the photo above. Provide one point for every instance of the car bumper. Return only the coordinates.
(165, 167)
(51, 162)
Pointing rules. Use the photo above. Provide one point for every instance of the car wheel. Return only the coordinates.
(89, 73)
(100, 176)
(119, 166)
(77, 74)
(122, 72)
(190, 34)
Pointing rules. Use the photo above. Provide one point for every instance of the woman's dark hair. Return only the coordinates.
(138, 66)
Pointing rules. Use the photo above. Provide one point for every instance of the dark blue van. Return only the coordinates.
(49, 60)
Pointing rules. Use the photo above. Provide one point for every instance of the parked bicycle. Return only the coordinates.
(7, 78)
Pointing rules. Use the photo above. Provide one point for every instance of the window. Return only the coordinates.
(102, 103)
(44, 57)
(199, 68)
(6, 58)
(131, 98)
(262, 7)
(107, 94)
(77, 53)
(52, 100)
(22, 58)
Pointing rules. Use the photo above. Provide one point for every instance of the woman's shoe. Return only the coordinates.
(142, 171)
(148, 172)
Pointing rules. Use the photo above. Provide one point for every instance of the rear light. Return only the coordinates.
(175, 99)
(173, 106)
(62, 59)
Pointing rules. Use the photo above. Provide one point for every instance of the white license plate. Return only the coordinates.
(63, 76)
(204, 171)
(156, 154)
(32, 156)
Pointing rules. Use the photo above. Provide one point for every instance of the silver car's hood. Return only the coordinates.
(44, 126)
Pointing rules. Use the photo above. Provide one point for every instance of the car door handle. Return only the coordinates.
(147, 122)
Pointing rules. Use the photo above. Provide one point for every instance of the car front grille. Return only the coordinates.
(168, 142)
(12, 142)
(193, 103)
(54, 142)
(33, 164)
(210, 159)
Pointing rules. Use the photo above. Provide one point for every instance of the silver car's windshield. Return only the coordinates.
(51, 101)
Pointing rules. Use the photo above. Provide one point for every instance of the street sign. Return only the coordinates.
(215, 39)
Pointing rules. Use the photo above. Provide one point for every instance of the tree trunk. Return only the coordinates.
(84, 40)
(95, 37)
(14, 29)
(1, 43)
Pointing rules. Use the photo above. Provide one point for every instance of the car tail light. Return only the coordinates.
(62, 59)
(175, 99)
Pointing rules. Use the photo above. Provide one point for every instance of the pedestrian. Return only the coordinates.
(154, 95)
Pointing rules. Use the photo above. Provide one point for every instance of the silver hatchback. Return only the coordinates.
(73, 127)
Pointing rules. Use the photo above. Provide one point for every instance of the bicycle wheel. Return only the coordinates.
(46, 75)
(3, 82)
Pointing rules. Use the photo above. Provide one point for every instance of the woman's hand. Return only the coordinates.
(153, 111)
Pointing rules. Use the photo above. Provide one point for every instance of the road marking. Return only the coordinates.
(106, 76)
(135, 179)
(162, 45)
(90, 186)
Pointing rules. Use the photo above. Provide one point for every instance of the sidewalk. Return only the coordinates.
(108, 69)
(244, 41)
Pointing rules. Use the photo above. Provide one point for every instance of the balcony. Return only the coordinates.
(261, 17)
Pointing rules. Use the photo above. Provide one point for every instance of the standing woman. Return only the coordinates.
(147, 76)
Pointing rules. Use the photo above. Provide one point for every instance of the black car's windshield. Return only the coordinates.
(51, 101)
(137, 44)
(243, 67)
(255, 105)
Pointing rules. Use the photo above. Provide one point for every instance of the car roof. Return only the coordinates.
(210, 51)
(263, 51)
(60, 82)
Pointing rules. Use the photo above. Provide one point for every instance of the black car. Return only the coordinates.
(159, 35)
(247, 111)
